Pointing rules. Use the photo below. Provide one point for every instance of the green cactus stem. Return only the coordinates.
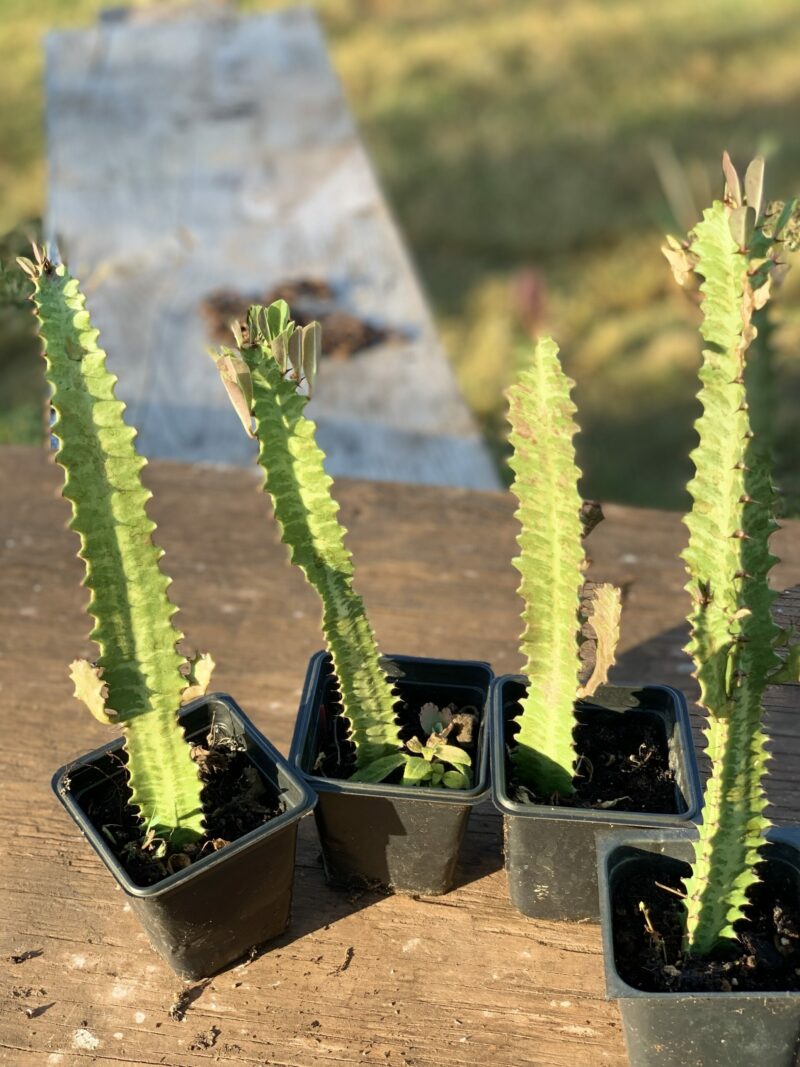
(262, 380)
(552, 564)
(733, 636)
(139, 678)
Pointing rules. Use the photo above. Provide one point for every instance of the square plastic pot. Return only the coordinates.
(550, 851)
(693, 1029)
(399, 837)
(206, 916)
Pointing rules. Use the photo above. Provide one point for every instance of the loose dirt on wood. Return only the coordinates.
(205, 1039)
(185, 998)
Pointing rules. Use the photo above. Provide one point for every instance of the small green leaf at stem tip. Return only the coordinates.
(295, 354)
(732, 183)
(281, 349)
(278, 316)
(312, 347)
(754, 185)
(380, 768)
(742, 222)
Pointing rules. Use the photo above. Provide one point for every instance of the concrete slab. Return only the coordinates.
(211, 152)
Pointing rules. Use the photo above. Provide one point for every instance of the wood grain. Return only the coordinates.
(461, 980)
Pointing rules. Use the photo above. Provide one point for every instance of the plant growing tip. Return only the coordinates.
(552, 562)
(140, 677)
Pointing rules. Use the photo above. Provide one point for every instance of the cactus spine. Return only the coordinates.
(733, 637)
(552, 564)
(139, 678)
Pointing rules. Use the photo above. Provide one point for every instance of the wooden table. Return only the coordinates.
(461, 980)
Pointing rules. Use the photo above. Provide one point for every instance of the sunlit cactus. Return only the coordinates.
(552, 563)
(139, 679)
(734, 641)
(263, 378)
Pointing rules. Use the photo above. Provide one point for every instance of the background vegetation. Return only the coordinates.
(534, 145)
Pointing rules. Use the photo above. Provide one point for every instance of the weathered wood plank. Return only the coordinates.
(462, 980)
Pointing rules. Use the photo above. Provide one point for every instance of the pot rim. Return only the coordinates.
(470, 797)
(555, 812)
(295, 811)
(616, 987)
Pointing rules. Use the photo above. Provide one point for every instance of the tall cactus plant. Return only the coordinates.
(552, 564)
(139, 679)
(733, 640)
(262, 378)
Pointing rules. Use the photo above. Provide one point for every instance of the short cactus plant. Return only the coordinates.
(140, 679)
(734, 641)
(552, 563)
(263, 378)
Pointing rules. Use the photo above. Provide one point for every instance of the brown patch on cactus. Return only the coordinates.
(604, 622)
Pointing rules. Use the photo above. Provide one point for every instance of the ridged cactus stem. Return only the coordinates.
(733, 636)
(137, 681)
(552, 564)
(300, 490)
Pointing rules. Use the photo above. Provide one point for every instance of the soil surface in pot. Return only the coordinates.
(236, 800)
(336, 757)
(648, 933)
(623, 763)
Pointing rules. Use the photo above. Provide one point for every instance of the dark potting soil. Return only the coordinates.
(236, 799)
(336, 757)
(623, 764)
(647, 943)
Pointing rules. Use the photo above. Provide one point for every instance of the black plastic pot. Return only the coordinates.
(399, 837)
(550, 851)
(209, 914)
(693, 1029)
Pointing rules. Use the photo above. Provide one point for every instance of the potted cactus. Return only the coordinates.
(193, 811)
(702, 935)
(572, 760)
(393, 747)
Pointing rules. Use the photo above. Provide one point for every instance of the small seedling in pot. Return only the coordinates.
(552, 561)
(265, 377)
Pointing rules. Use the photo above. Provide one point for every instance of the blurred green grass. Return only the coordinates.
(517, 134)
